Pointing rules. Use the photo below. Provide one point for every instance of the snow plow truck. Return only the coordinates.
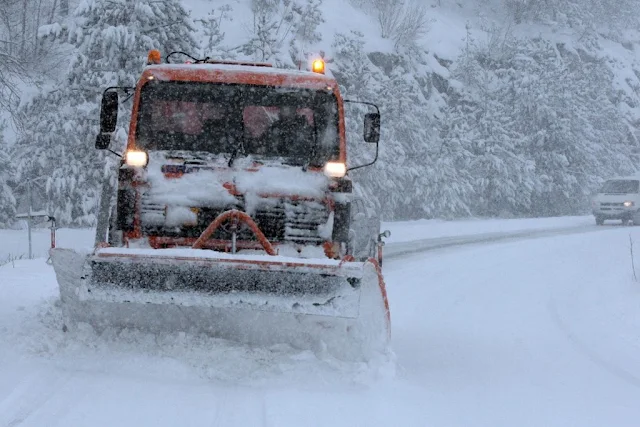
(231, 214)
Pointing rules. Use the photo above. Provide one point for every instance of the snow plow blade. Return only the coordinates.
(254, 299)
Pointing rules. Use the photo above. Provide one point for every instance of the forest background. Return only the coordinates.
(491, 108)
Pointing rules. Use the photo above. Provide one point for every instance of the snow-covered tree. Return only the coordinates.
(213, 36)
(112, 39)
(576, 136)
(410, 142)
(576, 14)
(502, 178)
(276, 24)
(403, 21)
(543, 130)
(272, 23)
(7, 199)
(451, 191)
(305, 35)
(360, 80)
(402, 178)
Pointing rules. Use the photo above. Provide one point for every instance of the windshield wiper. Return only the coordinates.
(313, 151)
(234, 153)
(310, 159)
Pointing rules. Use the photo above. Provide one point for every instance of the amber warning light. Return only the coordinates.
(154, 57)
(318, 66)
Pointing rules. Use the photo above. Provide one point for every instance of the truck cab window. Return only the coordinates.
(300, 126)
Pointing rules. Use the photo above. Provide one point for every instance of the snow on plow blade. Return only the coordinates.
(256, 299)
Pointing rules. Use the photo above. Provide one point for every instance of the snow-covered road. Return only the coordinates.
(540, 332)
(527, 332)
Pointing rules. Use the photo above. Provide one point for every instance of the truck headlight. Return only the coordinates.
(136, 158)
(628, 204)
(335, 169)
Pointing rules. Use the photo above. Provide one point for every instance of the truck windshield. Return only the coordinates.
(621, 186)
(298, 125)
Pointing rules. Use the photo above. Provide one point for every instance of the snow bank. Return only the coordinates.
(408, 231)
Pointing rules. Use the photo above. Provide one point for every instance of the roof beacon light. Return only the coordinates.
(317, 66)
(154, 57)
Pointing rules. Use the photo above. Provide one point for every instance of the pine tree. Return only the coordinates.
(543, 129)
(403, 176)
(502, 177)
(410, 139)
(112, 39)
(273, 21)
(305, 35)
(278, 23)
(7, 199)
(450, 191)
(360, 80)
(576, 14)
(212, 42)
(574, 132)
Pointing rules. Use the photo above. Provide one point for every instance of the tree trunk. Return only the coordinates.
(24, 27)
(53, 12)
(36, 43)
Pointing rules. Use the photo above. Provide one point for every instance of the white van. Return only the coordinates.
(619, 198)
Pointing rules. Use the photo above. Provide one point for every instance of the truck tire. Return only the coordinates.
(599, 220)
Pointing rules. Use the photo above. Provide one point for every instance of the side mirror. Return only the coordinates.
(103, 140)
(109, 112)
(372, 128)
(385, 234)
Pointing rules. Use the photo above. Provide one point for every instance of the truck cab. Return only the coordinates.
(210, 137)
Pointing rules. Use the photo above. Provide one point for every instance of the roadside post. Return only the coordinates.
(29, 216)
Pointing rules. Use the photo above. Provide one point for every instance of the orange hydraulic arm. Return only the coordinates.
(237, 217)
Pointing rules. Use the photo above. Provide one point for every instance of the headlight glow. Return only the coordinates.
(628, 204)
(136, 158)
(335, 169)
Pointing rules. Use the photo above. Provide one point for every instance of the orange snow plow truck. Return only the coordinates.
(231, 215)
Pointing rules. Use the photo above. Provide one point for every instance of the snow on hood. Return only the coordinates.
(204, 188)
(205, 177)
(281, 179)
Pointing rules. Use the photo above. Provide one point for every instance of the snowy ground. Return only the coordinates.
(540, 332)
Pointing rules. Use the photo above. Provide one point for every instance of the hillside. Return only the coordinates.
(492, 108)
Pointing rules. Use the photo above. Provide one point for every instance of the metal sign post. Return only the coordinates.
(29, 217)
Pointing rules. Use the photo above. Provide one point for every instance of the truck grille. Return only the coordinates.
(301, 220)
(283, 220)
